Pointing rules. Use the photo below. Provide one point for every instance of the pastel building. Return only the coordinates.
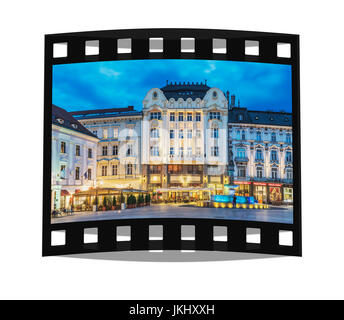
(118, 153)
(73, 158)
(261, 154)
(184, 131)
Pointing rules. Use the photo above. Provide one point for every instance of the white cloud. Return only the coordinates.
(212, 68)
(109, 72)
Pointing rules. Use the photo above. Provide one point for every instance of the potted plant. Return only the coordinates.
(104, 204)
(113, 203)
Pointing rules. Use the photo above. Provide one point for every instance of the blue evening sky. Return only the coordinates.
(110, 84)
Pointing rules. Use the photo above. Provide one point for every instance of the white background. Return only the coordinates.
(25, 274)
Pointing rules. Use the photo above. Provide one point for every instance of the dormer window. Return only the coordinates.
(75, 126)
(240, 117)
(155, 95)
(214, 94)
(60, 120)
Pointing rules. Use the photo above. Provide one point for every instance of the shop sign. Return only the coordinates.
(274, 185)
(242, 182)
(259, 183)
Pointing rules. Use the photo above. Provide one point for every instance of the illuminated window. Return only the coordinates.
(172, 116)
(105, 134)
(180, 116)
(115, 132)
(189, 116)
(63, 147)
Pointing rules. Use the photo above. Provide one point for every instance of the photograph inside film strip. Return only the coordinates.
(137, 139)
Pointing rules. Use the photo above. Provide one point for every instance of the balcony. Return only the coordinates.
(241, 159)
(259, 160)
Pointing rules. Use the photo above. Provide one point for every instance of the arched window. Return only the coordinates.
(154, 133)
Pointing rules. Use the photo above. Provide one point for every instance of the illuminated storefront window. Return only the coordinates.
(288, 194)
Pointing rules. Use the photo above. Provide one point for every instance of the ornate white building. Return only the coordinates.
(73, 158)
(119, 148)
(184, 129)
(260, 154)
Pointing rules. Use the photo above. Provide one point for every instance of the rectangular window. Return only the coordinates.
(189, 116)
(89, 153)
(129, 169)
(241, 153)
(115, 133)
(63, 172)
(154, 151)
(77, 150)
(181, 152)
(273, 155)
(198, 133)
(171, 134)
(215, 133)
(105, 133)
(189, 151)
(198, 117)
(181, 134)
(189, 134)
(273, 137)
(171, 151)
(289, 174)
(274, 173)
(288, 156)
(172, 116)
(241, 171)
(114, 169)
(180, 116)
(259, 172)
(154, 169)
(63, 147)
(89, 174)
(259, 154)
(104, 151)
(259, 136)
(95, 132)
(77, 173)
(115, 150)
(214, 151)
(215, 115)
(288, 138)
(104, 171)
(155, 115)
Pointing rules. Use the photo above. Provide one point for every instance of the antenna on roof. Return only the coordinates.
(239, 103)
(205, 81)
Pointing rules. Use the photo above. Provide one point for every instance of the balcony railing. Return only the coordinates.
(241, 159)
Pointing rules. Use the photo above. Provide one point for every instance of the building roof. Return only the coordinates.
(185, 90)
(259, 117)
(63, 118)
(106, 113)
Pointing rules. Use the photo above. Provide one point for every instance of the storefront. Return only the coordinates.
(259, 192)
(184, 194)
(288, 195)
(275, 192)
(243, 188)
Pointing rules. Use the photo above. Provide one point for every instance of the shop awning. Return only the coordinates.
(190, 189)
(65, 193)
(107, 191)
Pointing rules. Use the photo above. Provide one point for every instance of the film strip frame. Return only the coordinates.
(203, 48)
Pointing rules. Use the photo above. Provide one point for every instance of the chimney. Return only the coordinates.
(232, 100)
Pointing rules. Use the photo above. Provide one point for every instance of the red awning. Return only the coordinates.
(64, 193)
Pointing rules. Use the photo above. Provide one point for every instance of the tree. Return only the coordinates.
(104, 201)
(114, 203)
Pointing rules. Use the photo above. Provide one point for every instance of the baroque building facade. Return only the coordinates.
(184, 129)
(119, 147)
(73, 158)
(261, 154)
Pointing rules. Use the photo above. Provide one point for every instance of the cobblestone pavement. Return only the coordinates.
(273, 214)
